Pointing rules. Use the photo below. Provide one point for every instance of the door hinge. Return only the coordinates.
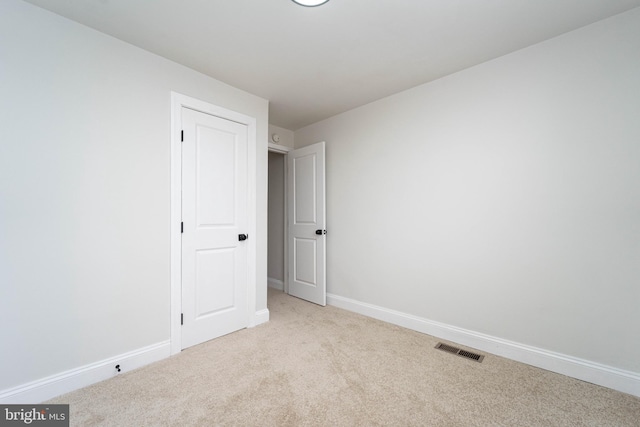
(182, 318)
(182, 136)
(182, 227)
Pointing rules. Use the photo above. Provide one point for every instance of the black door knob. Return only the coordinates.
(321, 232)
(242, 237)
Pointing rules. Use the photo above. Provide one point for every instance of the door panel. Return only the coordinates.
(305, 269)
(305, 189)
(214, 212)
(215, 177)
(214, 266)
(306, 215)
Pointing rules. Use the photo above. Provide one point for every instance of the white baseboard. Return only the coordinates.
(607, 376)
(65, 382)
(275, 283)
(262, 316)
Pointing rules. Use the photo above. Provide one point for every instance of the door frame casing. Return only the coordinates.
(179, 101)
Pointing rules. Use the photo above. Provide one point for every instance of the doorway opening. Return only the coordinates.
(276, 226)
(296, 254)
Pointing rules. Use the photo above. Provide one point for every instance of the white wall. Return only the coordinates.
(84, 192)
(275, 263)
(286, 136)
(504, 199)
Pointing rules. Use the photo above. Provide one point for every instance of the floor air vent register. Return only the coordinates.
(459, 352)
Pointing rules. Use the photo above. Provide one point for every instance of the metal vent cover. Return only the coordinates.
(460, 352)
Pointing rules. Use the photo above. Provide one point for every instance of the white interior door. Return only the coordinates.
(307, 227)
(214, 215)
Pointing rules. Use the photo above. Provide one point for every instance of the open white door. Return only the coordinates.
(307, 227)
(215, 223)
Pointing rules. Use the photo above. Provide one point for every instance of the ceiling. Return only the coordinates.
(312, 63)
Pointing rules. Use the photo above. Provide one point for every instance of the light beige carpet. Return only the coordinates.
(328, 367)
